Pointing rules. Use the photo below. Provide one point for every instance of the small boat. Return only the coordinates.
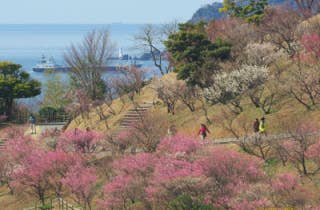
(49, 64)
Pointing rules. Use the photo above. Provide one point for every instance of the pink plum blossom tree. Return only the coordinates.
(80, 141)
(81, 181)
(287, 190)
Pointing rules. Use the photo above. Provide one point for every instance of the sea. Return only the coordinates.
(26, 43)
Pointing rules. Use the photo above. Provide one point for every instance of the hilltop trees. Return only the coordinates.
(31, 167)
(280, 24)
(56, 92)
(250, 10)
(15, 83)
(177, 171)
(81, 180)
(308, 7)
(87, 60)
(195, 57)
(228, 87)
(180, 167)
(303, 83)
(151, 38)
(129, 82)
(84, 142)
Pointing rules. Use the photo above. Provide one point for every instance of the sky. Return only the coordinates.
(97, 11)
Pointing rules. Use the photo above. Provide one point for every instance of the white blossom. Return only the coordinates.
(262, 54)
(227, 86)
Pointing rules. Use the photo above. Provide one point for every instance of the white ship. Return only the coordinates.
(49, 64)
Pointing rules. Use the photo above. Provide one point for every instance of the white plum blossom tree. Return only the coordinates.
(262, 54)
(228, 87)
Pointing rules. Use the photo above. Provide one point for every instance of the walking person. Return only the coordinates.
(262, 126)
(32, 121)
(256, 126)
(203, 131)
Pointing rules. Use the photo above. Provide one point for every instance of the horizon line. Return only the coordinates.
(78, 23)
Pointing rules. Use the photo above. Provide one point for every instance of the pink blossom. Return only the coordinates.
(141, 164)
(313, 153)
(81, 181)
(18, 147)
(229, 172)
(252, 205)
(285, 182)
(116, 191)
(171, 173)
(12, 132)
(179, 144)
(80, 141)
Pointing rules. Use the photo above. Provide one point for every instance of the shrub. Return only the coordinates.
(288, 191)
(46, 207)
(80, 141)
(228, 172)
(186, 202)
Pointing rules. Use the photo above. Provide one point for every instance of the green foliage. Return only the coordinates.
(250, 10)
(52, 114)
(185, 202)
(46, 207)
(195, 56)
(56, 91)
(15, 83)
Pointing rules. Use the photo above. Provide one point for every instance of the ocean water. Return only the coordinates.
(25, 44)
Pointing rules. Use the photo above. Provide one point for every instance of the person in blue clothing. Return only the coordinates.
(32, 121)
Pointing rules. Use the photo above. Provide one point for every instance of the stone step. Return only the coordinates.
(130, 124)
(133, 116)
(2, 144)
(141, 107)
(137, 111)
(131, 120)
(126, 122)
(124, 126)
(134, 113)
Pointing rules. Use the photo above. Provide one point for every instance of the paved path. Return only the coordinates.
(232, 141)
(40, 128)
(248, 138)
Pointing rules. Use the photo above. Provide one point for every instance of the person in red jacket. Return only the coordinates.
(203, 131)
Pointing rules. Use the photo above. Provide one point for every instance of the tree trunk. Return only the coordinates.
(304, 167)
(8, 107)
(41, 196)
(255, 100)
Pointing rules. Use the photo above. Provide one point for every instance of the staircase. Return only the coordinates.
(132, 117)
(2, 144)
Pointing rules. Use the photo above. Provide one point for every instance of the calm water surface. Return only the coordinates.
(25, 44)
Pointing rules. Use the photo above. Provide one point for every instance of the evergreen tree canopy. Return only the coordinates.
(15, 83)
(195, 57)
(250, 10)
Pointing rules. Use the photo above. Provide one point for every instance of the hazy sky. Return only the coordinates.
(97, 11)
